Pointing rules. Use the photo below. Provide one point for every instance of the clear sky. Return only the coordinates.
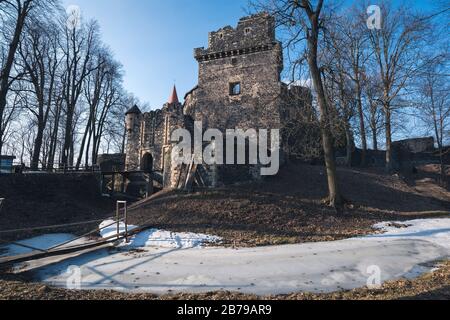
(154, 39)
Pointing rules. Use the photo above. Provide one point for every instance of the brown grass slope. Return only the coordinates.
(288, 208)
(39, 200)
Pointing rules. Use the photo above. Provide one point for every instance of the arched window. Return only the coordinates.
(147, 163)
(235, 88)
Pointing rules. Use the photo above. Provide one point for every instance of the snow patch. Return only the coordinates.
(436, 231)
(158, 238)
(169, 263)
(42, 242)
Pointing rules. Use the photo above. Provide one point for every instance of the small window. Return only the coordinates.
(235, 89)
(221, 36)
(247, 31)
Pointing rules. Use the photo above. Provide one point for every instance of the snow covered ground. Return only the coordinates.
(158, 238)
(42, 242)
(162, 262)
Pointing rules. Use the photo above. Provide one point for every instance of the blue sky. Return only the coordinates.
(154, 39)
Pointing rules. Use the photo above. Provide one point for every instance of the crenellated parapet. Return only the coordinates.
(253, 34)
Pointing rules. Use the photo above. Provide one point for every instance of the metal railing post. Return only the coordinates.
(125, 208)
(118, 220)
(126, 223)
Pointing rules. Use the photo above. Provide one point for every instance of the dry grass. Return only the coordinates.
(289, 209)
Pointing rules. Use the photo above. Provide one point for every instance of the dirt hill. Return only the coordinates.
(34, 200)
(288, 208)
(284, 209)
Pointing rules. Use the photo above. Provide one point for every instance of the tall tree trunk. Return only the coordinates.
(86, 159)
(439, 138)
(94, 149)
(362, 126)
(37, 145)
(374, 125)
(2, 103)
(335, 198)
(389, 164)
(124, 137)
(375, 138)
(349, 145)
(65, 157)
(22, 13)
(83, 143)
(54, 137)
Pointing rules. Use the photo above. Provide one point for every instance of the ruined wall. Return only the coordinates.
(111, 162)
(153, 137)
(250, 56)
(150, 133)
(415, 145)
(247, 57)
(133, 146)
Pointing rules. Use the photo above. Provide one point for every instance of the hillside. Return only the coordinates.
(289, 208)
(35, 200)
(284, 209)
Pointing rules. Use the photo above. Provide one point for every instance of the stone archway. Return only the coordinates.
(147, 163)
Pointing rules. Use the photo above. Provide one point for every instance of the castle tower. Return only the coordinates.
(173, 119)
(239, 86)
(174, 96)
(133, 120)
(239, 77)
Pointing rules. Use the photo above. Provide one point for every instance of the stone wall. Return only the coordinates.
(133, 146)
(153, 133)
(248, 56)
(111, 162)
(416, 145)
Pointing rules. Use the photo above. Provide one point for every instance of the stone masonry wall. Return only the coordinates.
(248, 55)
(133, 146)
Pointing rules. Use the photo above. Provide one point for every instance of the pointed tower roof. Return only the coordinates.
(134, 110)
(174, 96)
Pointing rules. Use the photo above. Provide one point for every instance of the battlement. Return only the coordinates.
(252, 34)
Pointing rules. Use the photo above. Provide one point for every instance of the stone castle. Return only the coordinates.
(239, 86)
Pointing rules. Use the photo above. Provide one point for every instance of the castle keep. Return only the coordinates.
(239, 86)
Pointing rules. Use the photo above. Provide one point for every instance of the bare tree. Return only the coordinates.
(40, 60)
(92, 91)
(305, 20)
(18, 11)
(14, 17)
(433, 105)
(397, 48)
(374, 112)
(351, 45)
(339, 89)
(110, 98)
(55, 116)
(11, 113)
(59, 79)
(78, 45)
